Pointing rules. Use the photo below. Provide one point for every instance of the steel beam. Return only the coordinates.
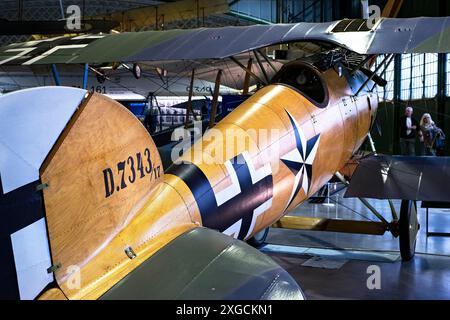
(267, 60)
(261, 66)
(392, 8)
(189, 104)
(56, 75)
(85, 75)
(247, 77)
(215, 101)
(247, 70)
(373, 75)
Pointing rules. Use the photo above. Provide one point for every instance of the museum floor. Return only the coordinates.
(335, 265)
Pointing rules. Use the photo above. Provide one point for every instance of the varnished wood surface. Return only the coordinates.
(52, 294)
(89, 230)
(92, 232)
(343, 126)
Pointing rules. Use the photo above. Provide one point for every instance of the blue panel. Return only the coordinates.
(231, 102)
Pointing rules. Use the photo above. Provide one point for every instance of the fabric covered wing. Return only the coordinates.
(396, 177)
(415, 35)
(203, 264)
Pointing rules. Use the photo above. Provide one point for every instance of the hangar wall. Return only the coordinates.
(326, 10)
(288, 11)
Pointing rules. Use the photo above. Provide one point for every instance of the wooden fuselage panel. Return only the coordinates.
(103, 171)
(328, 136)
(262, 160)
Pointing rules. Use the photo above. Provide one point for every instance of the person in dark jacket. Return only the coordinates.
(408, 130)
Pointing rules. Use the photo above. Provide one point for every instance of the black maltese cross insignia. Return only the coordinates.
(300, 160)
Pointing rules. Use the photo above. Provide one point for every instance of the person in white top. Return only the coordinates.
(408, 132)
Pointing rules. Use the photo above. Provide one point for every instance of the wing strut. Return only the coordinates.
(215, 101)
(364, 201)
(56, 77)
(372, 75)
(261, 66)
(85, 75)
(384, 70)
(267, 60)
(247, 77)
(189, 104)
(248, 71)
(374, 150)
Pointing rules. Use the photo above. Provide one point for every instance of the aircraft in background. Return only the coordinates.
(83, 184)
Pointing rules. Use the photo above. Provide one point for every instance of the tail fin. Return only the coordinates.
(101, 171)
(30, 123)
(96, 171)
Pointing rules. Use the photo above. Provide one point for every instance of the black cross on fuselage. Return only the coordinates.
(240, 207)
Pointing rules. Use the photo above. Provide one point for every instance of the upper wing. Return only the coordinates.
(406, 178)
(416, 35)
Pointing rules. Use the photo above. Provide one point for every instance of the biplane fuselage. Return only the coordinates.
(280, 147)
(264, 159)
(109, 211)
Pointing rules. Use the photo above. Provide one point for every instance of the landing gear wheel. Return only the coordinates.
(408, 229)
(258, 239)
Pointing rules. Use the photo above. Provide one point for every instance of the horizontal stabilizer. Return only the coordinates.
(397, 177)
(207, 265)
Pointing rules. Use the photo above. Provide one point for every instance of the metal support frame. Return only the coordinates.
(160, 73)
(372, 143)
(189, 103)
(247, 77)
(156, 18)
(99, 73)
(364, 201)
(19, 10)
(198, 14)
(247, 70)
(391, 204)
(261, 66)
(56, 76)
(384, 71)
(339, 225)
(362, 63)
(393, 211)
(279, 11)
(61, 7)
(397, 104)
(267, 60)
(392, 8)
(305, 9)
(441, 96)
(371, 77)
(85, 76)
(215, 101)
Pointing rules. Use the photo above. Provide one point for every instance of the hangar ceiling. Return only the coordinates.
(50, 9)
(16, 10)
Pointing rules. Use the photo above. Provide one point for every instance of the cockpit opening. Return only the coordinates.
(305, 79)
